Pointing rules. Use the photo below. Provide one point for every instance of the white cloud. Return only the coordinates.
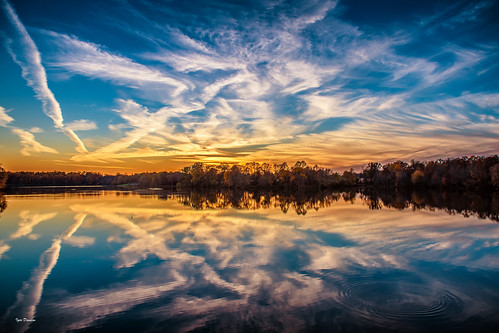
(25, 53)
(5, 119)
(269, 84)
(3, 249)
(140, 119)
(92, 60)
(27, 139)
(190, 62)
(82, 125)
(83, 310)
(117, 127)
(80, 241)
(483, 100)
(36, 130)
(29, 296)
(450, 17)
(29, 143)
(394, 240)
(310, 13)
(29, 221)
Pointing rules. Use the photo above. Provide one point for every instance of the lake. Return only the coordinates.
(116, 261)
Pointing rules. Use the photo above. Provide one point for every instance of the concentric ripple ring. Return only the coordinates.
(397, 304)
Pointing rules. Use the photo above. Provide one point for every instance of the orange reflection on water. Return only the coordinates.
(249, 254)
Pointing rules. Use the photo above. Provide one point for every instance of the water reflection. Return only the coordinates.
(467, 203)
(29, 295)
(3, 202)
(132, 262)
(300, 202)
(484, 205)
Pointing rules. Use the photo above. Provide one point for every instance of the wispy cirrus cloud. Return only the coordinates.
(247, 116)
(140, 119)
(94, 61)
(4, 117)
(461, 12)
(30, 145)
(27, 139)
(259, 80)
(25, 53)
(214, 252)
(82, 125)
(29, 296)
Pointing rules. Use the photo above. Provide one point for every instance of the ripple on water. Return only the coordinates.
(400, 304)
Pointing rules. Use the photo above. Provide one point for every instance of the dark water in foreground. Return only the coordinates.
(109, 261)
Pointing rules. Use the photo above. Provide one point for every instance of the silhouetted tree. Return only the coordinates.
(494, 175)
(3, 177)
(348, 178)
(465, 172)
(371, 172)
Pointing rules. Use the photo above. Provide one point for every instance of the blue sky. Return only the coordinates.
(128, 86)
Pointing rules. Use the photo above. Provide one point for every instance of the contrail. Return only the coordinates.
(29, 296)
(29, 59)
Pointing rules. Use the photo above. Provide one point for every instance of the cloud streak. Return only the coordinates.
(262, 80)
(233, 260)
(92, 60)
(27, 139)
(82, 125)
(30, 145)
(25, 53)
(4, 117)
(29, 296)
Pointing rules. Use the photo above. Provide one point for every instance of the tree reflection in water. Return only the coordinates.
(300, 202)
(349, 269)
(480, 204)
(3, 202)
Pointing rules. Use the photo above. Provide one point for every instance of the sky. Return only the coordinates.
(130, 86)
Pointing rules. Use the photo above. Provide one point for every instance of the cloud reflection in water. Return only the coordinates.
(342, 266)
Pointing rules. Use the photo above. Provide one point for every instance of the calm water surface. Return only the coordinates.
(109, 261)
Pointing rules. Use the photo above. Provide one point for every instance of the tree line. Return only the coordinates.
(464, 172)
(60, 178)
(3, 180)
(264, 175)
(198, 175)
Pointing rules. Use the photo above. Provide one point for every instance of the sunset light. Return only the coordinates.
(117, 86)
(249, 166)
